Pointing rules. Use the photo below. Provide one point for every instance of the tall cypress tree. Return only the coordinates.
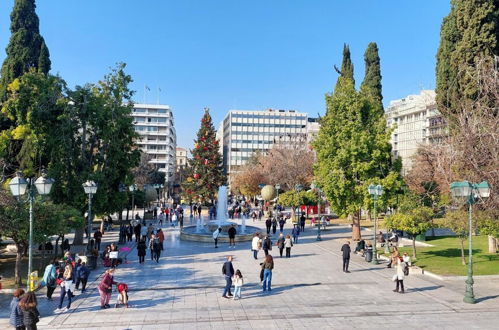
(468, 34)
(205, 169)
(26, 48)
(346, 72)
(371, 86)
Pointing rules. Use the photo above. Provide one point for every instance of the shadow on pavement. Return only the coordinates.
(427, 288)
(486, 298)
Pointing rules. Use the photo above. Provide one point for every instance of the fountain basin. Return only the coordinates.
(188, 233)
(213, 225)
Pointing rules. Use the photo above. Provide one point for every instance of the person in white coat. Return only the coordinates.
(399, 276)
(216, 234)
(256, 245)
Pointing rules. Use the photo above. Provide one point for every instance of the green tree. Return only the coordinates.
(412, 217)
(371, 85)
(457, 221)
(205, 171)
(26, 48)
(469, 33)
(353, 151)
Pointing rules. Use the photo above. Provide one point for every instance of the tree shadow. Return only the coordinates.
(426, 288)
(449, 252)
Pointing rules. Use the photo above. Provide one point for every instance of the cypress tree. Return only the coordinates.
(371, 86)
(468, 34)
(346, 71)
(26, 48)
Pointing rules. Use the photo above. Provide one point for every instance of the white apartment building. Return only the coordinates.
(181, 156)
(154, 123)
(244, 132)
(416, 121)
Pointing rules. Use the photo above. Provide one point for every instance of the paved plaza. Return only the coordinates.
(310, 291)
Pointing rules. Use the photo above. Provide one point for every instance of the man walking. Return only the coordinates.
(82, 273)
(232, 236)
(295, 233)
(97, 238)
(268, 224)
(267, 245)
(346, 256)
(228, 271)
(302, 222)
(216, 234)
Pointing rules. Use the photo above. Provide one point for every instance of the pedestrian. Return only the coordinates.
(141, 251)
(395, 255)
(267, 266)
(129, 232)
(268, 224)
(266, 245)
(238, 284)
(16, 314)
(280, 243)
(288, 243)
(156, 247)
(399, 275)
(200, 209)
(302, 222)
(232, 236)
(106, 288)
(253, 216)
(31, 315)
(274, 226)
(143, 233)
(82, 277)
(295, 232)
(256, 245)
(151, 247)
(76, 269)
(407, 259)
(216, 234)
(282, 221)
(50, 278)
(122, 295)
(137, 231)
(67, 287)
(174, 219)
(346, 256)
(150, 231)
(161, 237)
(228, 272)
(97, 238)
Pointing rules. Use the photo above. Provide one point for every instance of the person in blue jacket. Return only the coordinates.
(82, 273)
(50, 278)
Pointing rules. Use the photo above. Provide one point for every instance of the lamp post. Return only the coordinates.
(132, 189)
(375, 191)
(469, 192)
(277, 188)
(319, 191)
(298, 187)
(90, 189)
(18, 187)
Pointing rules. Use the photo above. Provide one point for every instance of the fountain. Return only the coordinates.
(202, 233)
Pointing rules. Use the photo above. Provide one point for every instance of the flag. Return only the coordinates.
(147, 87)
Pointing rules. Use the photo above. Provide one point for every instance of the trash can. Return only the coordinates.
(369, 254)
(91, 261)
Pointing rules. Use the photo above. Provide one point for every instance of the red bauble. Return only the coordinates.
(197, 176)
(205, 149)
(206, 161)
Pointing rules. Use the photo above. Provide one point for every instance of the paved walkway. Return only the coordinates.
(184, 291)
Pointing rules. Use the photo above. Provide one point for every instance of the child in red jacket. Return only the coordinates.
(122, 295)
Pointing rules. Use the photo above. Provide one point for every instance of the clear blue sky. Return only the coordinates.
(238, 54)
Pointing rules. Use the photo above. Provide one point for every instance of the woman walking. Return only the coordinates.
(67, 285)
(267, 267)
(16, 314)
(31, 316)
(50, 278)
(141, 251)
(238, 284)
(288, 243)
(280, 243)
(399, 275)
(106, 287)
(274, 226)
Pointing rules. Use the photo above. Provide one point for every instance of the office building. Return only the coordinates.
(245, 132)
(416, 121)
(155, 125)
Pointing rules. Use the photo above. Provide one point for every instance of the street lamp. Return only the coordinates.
(319, 191)
(90, 189)
(18, 187)
(375, 191)
(467, 192)
(133, 188)
(277, 188)
(298, 187)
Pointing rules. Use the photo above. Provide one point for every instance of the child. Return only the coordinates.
(122, 295)
(238, 283)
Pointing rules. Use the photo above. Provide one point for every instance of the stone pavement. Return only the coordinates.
(310, 290)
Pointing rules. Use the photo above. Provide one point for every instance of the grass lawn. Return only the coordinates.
(445, 257)
(7, 266)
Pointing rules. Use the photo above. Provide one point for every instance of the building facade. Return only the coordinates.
(155, 125)
(181, 157)
(245, 132)
(416, 121)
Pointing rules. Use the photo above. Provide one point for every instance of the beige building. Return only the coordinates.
(181, 157)
(416, 121)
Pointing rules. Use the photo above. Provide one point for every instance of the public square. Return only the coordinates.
(310, 290)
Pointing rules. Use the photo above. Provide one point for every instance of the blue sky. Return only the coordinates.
(238, 54)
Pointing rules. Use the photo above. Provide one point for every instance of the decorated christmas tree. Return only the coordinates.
(205, 169)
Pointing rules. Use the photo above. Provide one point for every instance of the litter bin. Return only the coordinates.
(368, 255)
(91, 261)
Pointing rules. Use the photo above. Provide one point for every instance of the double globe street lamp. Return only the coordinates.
(319, 191)
(18, 186)
(375, 191)
(467, 192)
(90, 189)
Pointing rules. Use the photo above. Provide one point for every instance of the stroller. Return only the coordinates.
(122, 295)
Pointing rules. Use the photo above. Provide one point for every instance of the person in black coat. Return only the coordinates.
(28, 305)
(268, 224)
(274, 226)
(302, 222)
(141, 250)
(282, 221)
(346, 256)
(232, 236)
(129, 232)
(228, 271)
(136, 231)
(267, 245)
